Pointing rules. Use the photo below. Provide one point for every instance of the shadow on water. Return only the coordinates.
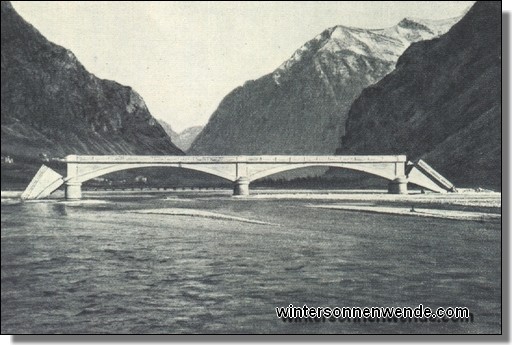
(60, 209)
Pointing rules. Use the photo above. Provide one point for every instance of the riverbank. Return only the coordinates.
(465, 205)
(417, 212)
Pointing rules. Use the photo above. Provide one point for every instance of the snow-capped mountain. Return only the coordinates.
(384, 44)
(301, 107)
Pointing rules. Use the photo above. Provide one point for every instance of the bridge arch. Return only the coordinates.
(88, 173)
(388, 174)
(239, 169)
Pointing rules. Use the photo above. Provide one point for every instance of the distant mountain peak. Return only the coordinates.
(386, 44)
(183, 139)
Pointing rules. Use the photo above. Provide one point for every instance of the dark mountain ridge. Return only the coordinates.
(441, 103)
(52, 105)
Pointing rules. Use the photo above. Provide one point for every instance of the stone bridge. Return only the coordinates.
(241, 170)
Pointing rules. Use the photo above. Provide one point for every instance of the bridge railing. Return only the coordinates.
(128, 159)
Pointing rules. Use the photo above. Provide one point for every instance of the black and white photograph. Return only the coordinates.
(253, 168)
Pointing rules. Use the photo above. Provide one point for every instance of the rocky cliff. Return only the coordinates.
(52, 105)
(442, 103)
(302, 106)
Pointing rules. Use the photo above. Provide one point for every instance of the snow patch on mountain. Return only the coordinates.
(385, 44)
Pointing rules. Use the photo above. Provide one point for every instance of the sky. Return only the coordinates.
(183, 58)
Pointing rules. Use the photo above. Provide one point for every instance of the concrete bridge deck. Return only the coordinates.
(232, 159)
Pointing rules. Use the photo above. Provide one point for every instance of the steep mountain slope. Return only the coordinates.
(442, 103)
(301, 107)
(187, 137)
(183, 139)
(52, 105)
(168, 129)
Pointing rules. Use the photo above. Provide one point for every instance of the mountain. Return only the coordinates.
(183, 139)
(442, 103)
(168, 129)
(302, 106)
(52, 105)
(187, 137)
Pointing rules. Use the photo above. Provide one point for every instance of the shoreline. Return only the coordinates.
(467, 205)
(417, 212)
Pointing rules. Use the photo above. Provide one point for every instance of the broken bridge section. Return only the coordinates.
(44, 182)
(423, 175)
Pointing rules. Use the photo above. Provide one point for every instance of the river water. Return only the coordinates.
(100, 266)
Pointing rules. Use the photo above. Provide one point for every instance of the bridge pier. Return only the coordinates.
(73, 190)
(398, 186)
(241, 186)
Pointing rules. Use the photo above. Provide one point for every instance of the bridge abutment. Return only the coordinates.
(241, 186)
(398, 186)
(73, 190)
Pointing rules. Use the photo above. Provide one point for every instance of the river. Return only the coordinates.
(102, 266)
